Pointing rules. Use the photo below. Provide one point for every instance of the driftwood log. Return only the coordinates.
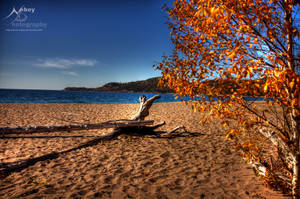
(136, 125)
(143, 112)
(74, 127)
(136, 122)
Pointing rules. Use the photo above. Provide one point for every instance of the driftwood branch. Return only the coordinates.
(177, 129)
(136, 125)
(137, 122)
(145, 105)
(157, 125)
(74, 127)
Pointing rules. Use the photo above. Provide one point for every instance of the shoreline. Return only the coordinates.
(84, 103)
(202, 165)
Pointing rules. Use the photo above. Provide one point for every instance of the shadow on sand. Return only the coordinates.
(7, 168)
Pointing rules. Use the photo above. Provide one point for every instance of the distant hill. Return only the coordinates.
(151, 86)
(148, 86)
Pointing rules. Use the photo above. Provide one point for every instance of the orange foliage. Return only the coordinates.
(230, 49)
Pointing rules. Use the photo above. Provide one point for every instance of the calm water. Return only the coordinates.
(75, 97)
(80, 97)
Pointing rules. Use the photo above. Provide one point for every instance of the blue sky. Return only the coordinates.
(81, 43)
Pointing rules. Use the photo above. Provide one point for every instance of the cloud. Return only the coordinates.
(71, 73)
(62, 63)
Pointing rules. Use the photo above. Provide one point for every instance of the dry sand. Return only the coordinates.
(200, 166)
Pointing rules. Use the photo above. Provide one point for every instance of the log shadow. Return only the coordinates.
(7, 168)
(162, 134)
(41, 137)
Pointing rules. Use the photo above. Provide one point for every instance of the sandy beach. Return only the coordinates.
(201, 165)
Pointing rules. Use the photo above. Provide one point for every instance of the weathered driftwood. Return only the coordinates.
(119, 125)
(143, 112)
(136, 125)
(145, 105)
(177, 129)
(147, 130)
(74, 127)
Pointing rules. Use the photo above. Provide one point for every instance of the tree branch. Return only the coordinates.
(263, 118)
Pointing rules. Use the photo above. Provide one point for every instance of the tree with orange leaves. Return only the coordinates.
(231, 50)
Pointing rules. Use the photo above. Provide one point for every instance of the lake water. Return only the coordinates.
(75, 97)
(81, 97)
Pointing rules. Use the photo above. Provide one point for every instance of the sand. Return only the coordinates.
(199, 166)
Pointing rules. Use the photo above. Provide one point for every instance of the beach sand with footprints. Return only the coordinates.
(199, 165)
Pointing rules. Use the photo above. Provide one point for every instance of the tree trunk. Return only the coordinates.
(295, 119)
(296, 176)
(287, 155)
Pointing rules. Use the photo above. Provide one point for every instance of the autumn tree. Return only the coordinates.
(231, 50)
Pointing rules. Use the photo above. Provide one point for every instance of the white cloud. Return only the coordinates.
(71, 73)
(62, 63)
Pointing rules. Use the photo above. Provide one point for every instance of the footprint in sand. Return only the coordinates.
(165, 154)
